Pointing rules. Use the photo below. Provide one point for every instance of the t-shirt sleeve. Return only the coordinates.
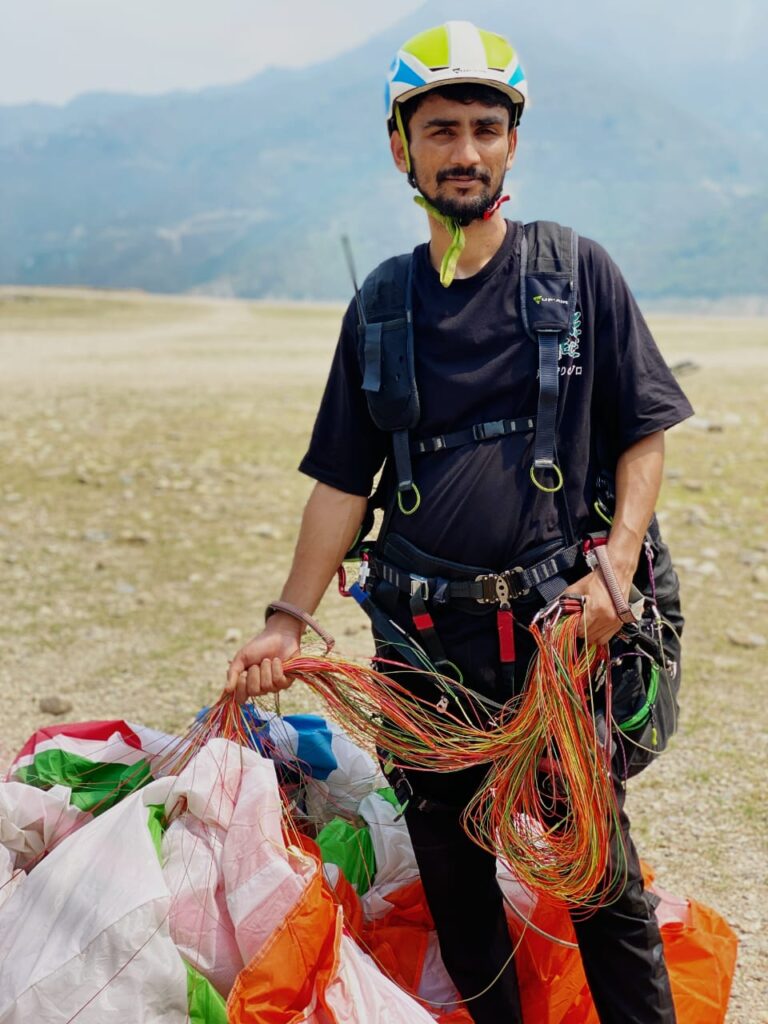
(346, 449)
(635, 392)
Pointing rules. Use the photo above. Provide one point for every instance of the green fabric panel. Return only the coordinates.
(95, 787)
(388, 794)
(352, 849)
(156, 824)
(430, 47)
(204, 1003)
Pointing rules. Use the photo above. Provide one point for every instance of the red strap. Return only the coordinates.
(423, 621)
(505, 623)
(492, 209)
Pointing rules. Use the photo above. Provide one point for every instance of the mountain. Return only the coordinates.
(643, 134)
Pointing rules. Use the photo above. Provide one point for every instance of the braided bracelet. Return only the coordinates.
(623, 609)
(297, 613)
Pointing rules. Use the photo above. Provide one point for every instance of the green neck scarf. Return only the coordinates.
(456, 246)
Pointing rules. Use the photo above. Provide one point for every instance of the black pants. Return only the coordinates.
(620, 944)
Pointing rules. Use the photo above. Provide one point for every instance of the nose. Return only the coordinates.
(465, 150)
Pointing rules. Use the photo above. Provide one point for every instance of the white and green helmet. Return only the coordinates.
(456, 52)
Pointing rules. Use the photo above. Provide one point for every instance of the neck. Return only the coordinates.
(483, 240)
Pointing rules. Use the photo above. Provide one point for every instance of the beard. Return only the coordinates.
(462, 210)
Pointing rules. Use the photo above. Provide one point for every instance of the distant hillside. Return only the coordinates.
(650, 142)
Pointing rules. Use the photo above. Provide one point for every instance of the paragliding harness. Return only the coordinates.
(548, 295)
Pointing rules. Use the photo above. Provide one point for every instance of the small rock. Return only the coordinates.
(673, 474)
(123, 587)
(706, 568)
(709, 426)
(710, 553)
(684, 366)
(760, 574)
(267, 530)
(135, 537)
(693, 485)
(232, 636)
(194, 577)
(687, 564)
(96, 536)
(739, 639)
(54, 705)
(696, 516)
(751, 557)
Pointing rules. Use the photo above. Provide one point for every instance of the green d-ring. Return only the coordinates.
(548, 490)
(417, 502)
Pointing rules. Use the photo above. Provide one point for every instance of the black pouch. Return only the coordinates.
(645, 691)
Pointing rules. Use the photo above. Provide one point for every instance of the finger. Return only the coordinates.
(236, 666)
(253, 681)
(266, 676)
(240, 689)
(278, 675)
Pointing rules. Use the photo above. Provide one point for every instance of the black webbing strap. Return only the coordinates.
(478, 432)
(401, 450)
(546, 415)
(548, 279)
(545, 577)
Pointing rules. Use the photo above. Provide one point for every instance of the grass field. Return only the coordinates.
(149, 500)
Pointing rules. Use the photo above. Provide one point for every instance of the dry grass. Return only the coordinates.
(149, 500)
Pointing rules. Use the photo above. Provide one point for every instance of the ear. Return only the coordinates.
(398, 151)
(512, 148)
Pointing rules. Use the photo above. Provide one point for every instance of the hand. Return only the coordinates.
(599, 619)
(257, 667)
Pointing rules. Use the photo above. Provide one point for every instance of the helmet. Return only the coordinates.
(455, 52)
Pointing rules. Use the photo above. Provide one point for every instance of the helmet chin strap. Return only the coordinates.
(455, 229)
(456, 244)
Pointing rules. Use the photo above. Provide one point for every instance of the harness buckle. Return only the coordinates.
(487, 582)
(500, 588)
(419, 584)
(482, 431)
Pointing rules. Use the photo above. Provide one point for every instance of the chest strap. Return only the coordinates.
(478, 432)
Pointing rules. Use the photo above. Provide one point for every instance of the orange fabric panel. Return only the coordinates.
(299, 958)
(700, 954)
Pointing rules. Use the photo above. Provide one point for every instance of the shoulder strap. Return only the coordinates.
(387, 360)
(548, 285)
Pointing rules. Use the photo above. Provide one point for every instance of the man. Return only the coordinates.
(472, 491)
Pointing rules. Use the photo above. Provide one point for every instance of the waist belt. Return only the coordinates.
(485, 588)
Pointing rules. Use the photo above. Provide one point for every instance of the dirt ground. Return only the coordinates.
(149, 500)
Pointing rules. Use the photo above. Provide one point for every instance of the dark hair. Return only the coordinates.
(461, 92)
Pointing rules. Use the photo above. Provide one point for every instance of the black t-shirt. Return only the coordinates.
(474, 363)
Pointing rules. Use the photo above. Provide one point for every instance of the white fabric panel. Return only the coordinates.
(395, 860)
(361, 994)
(88, 932)
(232, 880)
(33, 820)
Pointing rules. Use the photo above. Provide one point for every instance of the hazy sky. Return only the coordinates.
(51, 50)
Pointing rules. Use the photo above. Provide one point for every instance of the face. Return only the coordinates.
(460, 153)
